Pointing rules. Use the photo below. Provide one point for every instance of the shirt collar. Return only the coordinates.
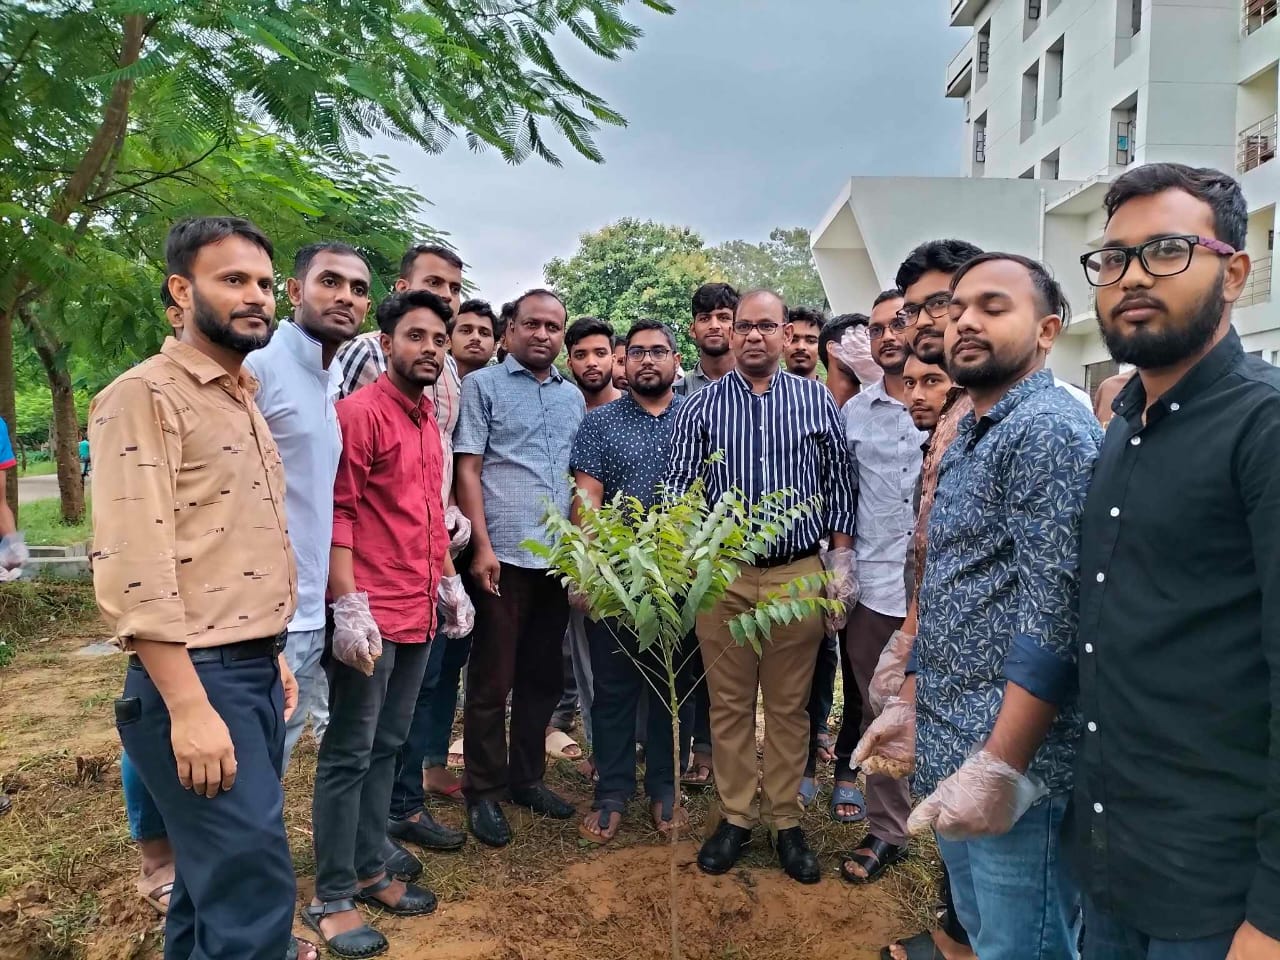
(204, 369)
(422, 408)
(876, 393)
(306, 348)
(512, 365)
(627, 398)
(1131, 401)
(735, 376)
(1028, 386)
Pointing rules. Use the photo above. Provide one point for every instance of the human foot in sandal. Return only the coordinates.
(665, 819)
(561, 746)
(442, 783)
(700, 772)
(927, 946)
(871, 859)
(603, 822)
(457, 758)
(155, 879)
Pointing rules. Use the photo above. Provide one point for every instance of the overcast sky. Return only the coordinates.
(742, 115)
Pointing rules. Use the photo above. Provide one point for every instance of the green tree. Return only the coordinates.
(632, 269)
(783, 263)
(77, 80)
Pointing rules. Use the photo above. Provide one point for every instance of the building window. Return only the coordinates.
(1258, 13)
(1049, 167)
(1032, 19)
(1128, 26)
(979, 144)
(1030, 99)
(1053, 77)
(1124, 131)
(984, 55)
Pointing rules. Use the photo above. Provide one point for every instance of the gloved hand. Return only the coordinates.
(357, 641)
(889, 745)
(853, 351)
(842, 584)
(459, 529)
(984, 798)
(891, 670)
(13, 551)
(459, 613)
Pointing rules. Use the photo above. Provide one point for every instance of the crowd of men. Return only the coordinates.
(1068, 647)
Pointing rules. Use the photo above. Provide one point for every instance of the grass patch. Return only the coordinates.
(39, 468)
(41, 522)
(34, 608)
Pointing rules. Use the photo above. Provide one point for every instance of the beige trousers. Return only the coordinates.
(783, 672)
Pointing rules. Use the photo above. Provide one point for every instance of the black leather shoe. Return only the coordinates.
(414, 902)
(798, 861)
(401, 864)
(488, 823)
(357, 944)
(722, 850)
(540, 799)
(426, 833)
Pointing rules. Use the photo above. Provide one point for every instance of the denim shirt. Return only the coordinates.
(998, 601)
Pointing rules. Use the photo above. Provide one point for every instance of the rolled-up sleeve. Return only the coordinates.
(1048, 484)
(688, 446)
(134, 485)
(838, 495)
(354, 463)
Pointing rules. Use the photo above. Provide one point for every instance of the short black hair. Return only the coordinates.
(166, 298)
(1051, 299)
(834, 329)
(619, 340)
(585, 327)
(945, 256)
(427, 249)
(396, 305)
(481, 308)
(646, 323)
(714, 296)
(765, 291)
(808, 315)
(535, 292)
(1219, 190)
(302, 259)
(884, 296)
(187, 237)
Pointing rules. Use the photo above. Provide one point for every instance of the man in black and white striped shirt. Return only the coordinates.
(775, 432)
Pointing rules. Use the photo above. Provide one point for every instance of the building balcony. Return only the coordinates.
(1257, 14)
(960, 70)
(1257, 145)
(1258, 287)
(964, 13)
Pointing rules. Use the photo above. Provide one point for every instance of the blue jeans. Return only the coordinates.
(145, 822)
(1014, 893)
(1106, 937)
(303, 651)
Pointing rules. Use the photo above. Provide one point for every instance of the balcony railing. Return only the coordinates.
(1258, 13)
(1257, 144)
(1258, 287)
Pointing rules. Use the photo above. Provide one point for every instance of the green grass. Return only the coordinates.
(41, 522)
(31, 609)
(39, 468)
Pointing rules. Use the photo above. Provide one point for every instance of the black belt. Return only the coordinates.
(769, 563)
(258, 649)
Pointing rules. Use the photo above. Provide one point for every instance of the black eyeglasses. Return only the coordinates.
(766, 328)
(935, 306)
(639, 353)
(1161, 257)
(876, 330)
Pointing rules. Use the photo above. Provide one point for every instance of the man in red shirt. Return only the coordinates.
(390, 550)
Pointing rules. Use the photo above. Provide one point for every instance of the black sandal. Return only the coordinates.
(606, 808)
(879, 856)
(416, 901)
(357, 944)
(919, 947)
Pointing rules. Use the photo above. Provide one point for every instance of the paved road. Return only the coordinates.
(37, 488)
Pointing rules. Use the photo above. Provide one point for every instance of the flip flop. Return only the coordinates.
(842, 795)
(455, 754)
(558, 744)
(665, 819)
(808, 790)
(156, 898)
(452, 795)
(606, 810)
(919, 947)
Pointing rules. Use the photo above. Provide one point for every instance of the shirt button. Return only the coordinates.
(1088, 648)
(1135, 442)
(1097, 808)
(1102, 577)
(1115, 511)
(1175, 407)
(1093, 727)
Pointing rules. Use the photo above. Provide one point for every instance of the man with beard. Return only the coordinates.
(994, 664)
(475, 336)
(885, 448)
(514, 440)
(775, 432)
(801, 357)
(389, 566)
(624, 447)
(329, 291)
(1177, 812)
(196, 579)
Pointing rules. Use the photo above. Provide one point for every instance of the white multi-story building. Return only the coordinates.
(1062, 96)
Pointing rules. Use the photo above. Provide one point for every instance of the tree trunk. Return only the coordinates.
(65, 436)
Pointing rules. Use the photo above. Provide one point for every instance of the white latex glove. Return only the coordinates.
(889, 745)
(459, 529)
(357, 641)
(459, 613)
(853, 351)
(13, 551)
(842, 585)
(891, 670)
(984, 798)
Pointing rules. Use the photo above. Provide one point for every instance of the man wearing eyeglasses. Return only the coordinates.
(624, 447)
(1177, 787)
(775, 432)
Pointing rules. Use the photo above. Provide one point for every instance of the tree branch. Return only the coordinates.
(153, 178)
(22, 55)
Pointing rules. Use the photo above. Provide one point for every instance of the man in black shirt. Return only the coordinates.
(1177, 799)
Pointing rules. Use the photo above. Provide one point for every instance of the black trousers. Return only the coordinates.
(234, 889)
(516, 649)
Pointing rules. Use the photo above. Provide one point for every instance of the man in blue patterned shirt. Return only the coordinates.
(990, 702)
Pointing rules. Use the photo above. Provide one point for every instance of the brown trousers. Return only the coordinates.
(888, 800)
(515, 650)
(783, 673)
